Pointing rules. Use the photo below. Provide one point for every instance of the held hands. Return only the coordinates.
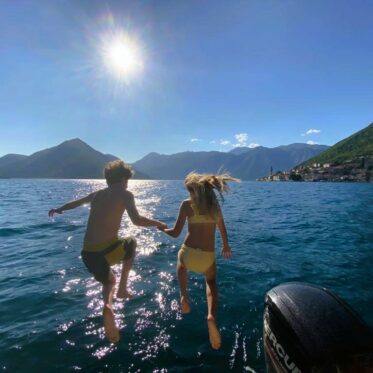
(161, 226)
(226, 252)
(53, 211)
(169, 231)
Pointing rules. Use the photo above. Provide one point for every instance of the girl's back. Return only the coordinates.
(201, 228)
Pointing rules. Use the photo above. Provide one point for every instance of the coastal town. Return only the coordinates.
(353, 170)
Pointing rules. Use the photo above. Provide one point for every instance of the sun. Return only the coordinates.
(122, 56)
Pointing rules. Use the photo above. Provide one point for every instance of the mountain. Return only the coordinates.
(247, 165)
(176, 166)
(9, 159)
(73, 159)
(357, 145)
(240, 150)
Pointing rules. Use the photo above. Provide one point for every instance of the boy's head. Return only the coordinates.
(117, 172)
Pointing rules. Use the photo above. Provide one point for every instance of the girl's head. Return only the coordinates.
(201, 189)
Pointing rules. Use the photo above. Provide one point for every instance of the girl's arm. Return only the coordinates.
(226, 251)
(176, 230)
(72, 205)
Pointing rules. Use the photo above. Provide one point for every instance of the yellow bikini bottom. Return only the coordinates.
(196, 260)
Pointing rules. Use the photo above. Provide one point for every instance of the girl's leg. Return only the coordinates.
(212, 303)
(111, 330)
(182, 275)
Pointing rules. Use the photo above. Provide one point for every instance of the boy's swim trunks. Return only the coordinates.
(99, 258)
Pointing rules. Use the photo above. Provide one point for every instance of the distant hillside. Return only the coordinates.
(10, 159)
(248, 164)
(358, 144)
(73, 159)
(176, 166)
(240, 150)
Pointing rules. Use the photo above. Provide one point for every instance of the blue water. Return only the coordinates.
(50, 307)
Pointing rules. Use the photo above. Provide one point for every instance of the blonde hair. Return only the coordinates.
(203, 186)
(116, 171)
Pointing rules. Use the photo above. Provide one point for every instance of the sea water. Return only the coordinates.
(50, 306)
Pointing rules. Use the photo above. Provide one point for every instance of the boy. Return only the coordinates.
(102, 247)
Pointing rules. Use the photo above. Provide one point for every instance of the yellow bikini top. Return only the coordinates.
(199, 218)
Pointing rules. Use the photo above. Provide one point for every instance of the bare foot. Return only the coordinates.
(184, 305)
(111, 330)
(214, 333)
(124, 293)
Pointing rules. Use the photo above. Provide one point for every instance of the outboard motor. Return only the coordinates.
(309, 329)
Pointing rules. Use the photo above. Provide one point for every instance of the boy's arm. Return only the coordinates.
(72, 205)
(138, 219)
(176, 230)
(226, 251)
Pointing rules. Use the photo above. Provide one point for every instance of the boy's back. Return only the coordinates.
(107, 208)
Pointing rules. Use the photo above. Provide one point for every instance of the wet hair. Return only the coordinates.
(202, 188)
(116, 171)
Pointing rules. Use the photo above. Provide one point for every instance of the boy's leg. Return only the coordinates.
(99, 267)
(111, 330)
(212, 302)
(108, 289)
(182, 275)
(126, 267)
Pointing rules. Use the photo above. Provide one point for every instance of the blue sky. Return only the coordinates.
(215, 74)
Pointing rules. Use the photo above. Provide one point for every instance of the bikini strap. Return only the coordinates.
(194, 208)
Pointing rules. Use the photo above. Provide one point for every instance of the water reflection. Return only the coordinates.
(241, 344)
(70, 284)
(103, 351)
(64, 327)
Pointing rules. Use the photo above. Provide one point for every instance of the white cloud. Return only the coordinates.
(310, 142)
(242, 141)
(195, 140)
(311, 131)
(241, 138)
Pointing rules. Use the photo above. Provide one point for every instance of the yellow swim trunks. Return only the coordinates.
(98, 258)
(196, 260)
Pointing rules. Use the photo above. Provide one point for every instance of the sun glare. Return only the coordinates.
(122, 56)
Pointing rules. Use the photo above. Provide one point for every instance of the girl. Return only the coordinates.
(197, 254)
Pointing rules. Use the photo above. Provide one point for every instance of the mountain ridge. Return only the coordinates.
(76, 159)
(71, 159)
(247, 165)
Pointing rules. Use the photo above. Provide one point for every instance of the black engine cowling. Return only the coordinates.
(309, 329)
